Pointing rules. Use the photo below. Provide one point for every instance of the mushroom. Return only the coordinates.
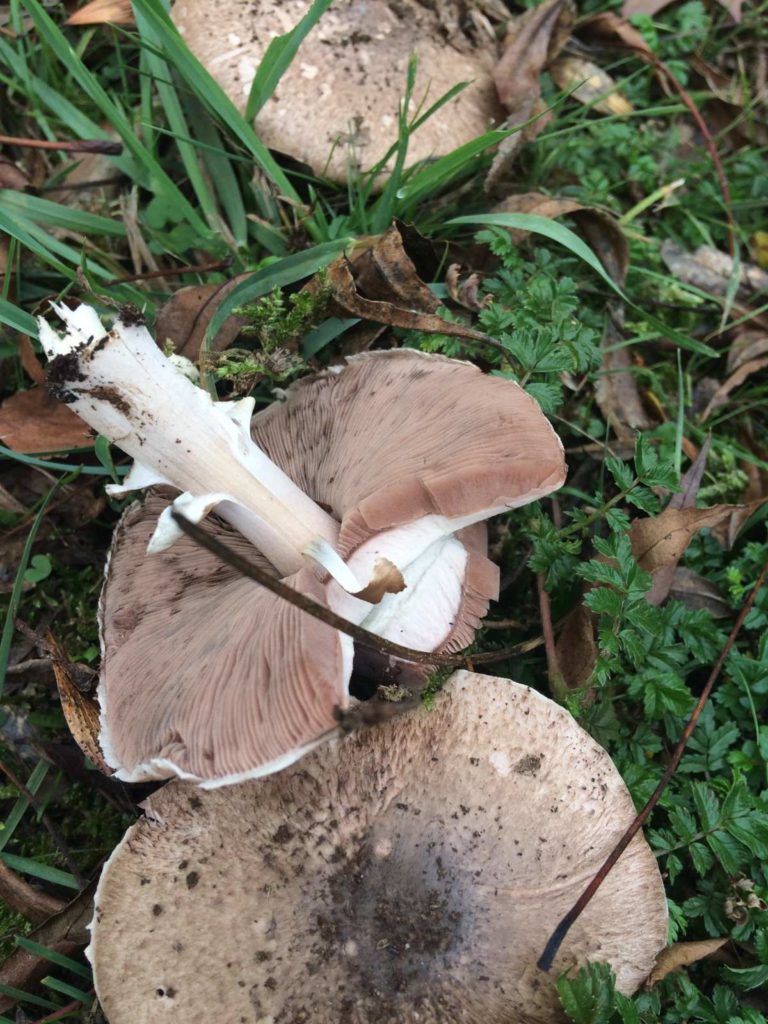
(398, 457)
(343, 90)
(407, 873)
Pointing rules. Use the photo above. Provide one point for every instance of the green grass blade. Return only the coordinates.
(208, 90)
(55, 215)
(550, 229)
(55, 958)
(161, 183)
(557, 232)
(169, 97)
(276, 275)
(66, 990)
(436, 175)
(66, 467)
(13, 602)
(316, 340)
(278, 57)
(17, 319)
(27, 866)
(21, 806)
(21, 996)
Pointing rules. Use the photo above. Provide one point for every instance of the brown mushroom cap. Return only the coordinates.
(402, 434)
(348, 77)
(205, 674)
(411, 873)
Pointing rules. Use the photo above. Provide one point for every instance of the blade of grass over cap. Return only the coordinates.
(278, 58)
(424, 183)
(209, 92)
(559, 233)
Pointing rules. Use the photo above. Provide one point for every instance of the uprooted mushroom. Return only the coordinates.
(408, 873)
(366, 489)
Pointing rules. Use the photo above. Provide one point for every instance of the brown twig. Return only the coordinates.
(34, 904)
(319, 611)
(63, 1012)
(556, 681)
(105, 146)
(150, 275)
(558, 935)
(54, 833)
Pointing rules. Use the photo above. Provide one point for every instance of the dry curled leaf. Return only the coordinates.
(590, 85)
(100, 12)
(340, 278)
(608, 28)
(682, 954)
(533, 40)
(81, 710)
(32, 421)
(386, 271)
(12, 176)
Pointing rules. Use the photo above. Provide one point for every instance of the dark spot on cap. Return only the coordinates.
(192, 879)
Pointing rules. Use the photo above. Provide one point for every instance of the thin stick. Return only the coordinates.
(546, 959)
(105, 146)
(319, 611)
(150, 275)
(556, 680)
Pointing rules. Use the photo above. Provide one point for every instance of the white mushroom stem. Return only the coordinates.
(123, 386)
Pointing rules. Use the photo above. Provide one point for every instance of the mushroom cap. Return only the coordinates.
(205, 674)
(348, 77)
(401, 435)
(408, 873)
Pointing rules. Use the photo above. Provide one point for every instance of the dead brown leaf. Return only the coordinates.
(184, 318)
(34, 904)
(589, 84)
(682, 954)
(385, 271)
(711, 270)
(66, 932)
(650, 7)
(728, 529)
(608, 27)
(349, 301)
(12, 176)
(720, 397)
(99, 12)
(32, 421)
(659, 542)
(697, 592)
(576, 647)
(81, 710)
(533, 40)
(746, 346)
